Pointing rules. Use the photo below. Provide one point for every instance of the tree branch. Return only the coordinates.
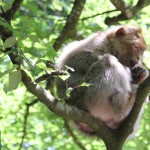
(72, 20)
(4, 32)
(64, 110)
(114, 20)
(25, 121)
(119, 4)
(11, 11)
(127, 12)
(76, 140)
(49, 75)
(73, 113)
(99, 14)
(141, 4)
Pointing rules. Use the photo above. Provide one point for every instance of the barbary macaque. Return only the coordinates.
(110, 62)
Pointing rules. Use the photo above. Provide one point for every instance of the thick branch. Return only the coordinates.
(11, 11)
(119, 4)
(61, 109)
(114, 20)
(72, 20)
(4, 32)
(141, 4)
(127, 12)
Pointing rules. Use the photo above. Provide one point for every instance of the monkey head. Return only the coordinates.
(128, 44)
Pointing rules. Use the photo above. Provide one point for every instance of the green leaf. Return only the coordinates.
(51, 53)
(10, 42)
(41, 65)
(85, 84)
(68, 91)
(64, 77)
(9, 71)
(14, 79)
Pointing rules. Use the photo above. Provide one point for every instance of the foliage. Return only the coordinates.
(36, 26)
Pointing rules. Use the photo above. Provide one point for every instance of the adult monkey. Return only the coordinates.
(110, 62)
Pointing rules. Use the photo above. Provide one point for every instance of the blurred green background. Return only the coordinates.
(36, 26)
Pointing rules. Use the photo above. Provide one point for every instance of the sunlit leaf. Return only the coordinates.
(14, 79)
(41, 65)
(85, 84)
(68, 91)
(10, 42)
(64, 77)
(8, 71)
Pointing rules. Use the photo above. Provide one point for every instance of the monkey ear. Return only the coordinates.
(120, 32)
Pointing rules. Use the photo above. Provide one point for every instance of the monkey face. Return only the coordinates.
(131, 45)
(137, 48)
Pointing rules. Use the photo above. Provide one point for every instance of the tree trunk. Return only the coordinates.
(114, 145)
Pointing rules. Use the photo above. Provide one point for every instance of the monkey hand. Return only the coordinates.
(139, 74)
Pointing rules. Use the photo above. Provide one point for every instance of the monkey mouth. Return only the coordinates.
(132, 63)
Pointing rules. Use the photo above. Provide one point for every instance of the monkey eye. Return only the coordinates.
(136, 46)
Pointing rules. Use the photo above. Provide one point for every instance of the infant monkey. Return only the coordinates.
(111, 63)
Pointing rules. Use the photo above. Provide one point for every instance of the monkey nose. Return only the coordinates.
(138, 58)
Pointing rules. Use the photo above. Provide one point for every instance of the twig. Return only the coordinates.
(49, 75)
(99, 14)
(76, 140)
(28, 105)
